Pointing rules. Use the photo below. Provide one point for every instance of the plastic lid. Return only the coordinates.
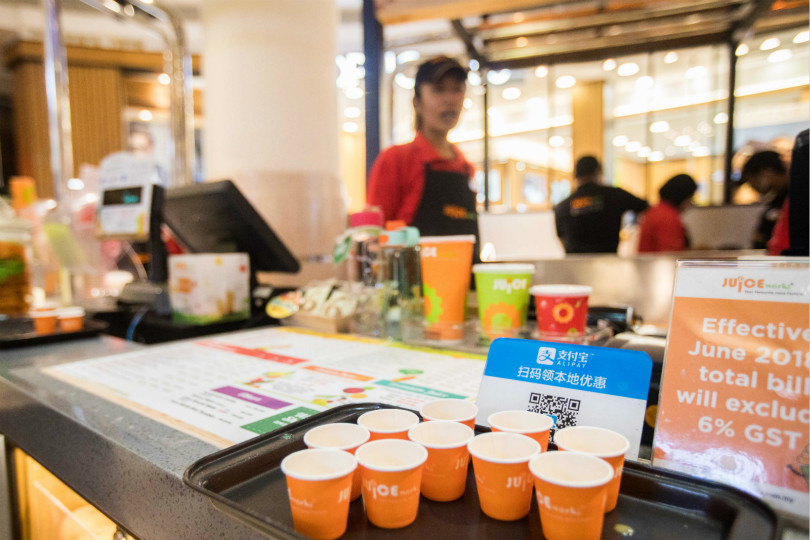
(366, 218)
(447, 239)
(503, 268)
(71, 312)
(561, 290)
(406, 236)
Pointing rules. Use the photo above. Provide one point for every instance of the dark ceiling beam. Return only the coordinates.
(757, 8)
(469, 44)
(610, 19)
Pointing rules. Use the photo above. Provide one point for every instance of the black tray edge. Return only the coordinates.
(190, 478)
(91, 328)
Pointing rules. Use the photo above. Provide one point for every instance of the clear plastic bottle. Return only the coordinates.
(365, 231)
(15, 271)
(400, 278)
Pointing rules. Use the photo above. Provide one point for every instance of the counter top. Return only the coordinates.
(127, 465)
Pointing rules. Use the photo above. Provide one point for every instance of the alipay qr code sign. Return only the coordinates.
(574, 384)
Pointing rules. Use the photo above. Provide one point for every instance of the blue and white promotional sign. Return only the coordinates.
(577, 385)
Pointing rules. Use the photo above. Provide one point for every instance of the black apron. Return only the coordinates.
(447, 206)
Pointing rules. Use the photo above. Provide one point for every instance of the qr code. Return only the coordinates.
(564, 410)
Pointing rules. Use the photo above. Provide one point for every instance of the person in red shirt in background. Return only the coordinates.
(426, 182)
(661, 227)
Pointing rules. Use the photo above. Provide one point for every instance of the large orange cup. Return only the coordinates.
(340, 436)
(501, 465)
(319, 484)
(534, 425)
(392, 474)
(602, 443)
(388, 423)
(446, 265)
(445, 474)
(571, 490)
(454, 410)
(562, 310)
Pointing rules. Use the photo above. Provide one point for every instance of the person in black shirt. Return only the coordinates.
(590, 219)
(766, 173)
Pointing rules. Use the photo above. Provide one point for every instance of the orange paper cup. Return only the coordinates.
(388, 423)
(455, 410)
(501, 465)
(392, 473)
(571, 490)
(602, 443)
(340, 436)
(534, 425)
(71, 319)
(445, 474)
(44, 321)
(446, 264)
(319, 484)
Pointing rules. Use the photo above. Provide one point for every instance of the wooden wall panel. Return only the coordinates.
(31, 126)
(96, 106)
(587, 130)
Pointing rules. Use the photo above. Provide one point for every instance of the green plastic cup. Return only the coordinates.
(503, 297)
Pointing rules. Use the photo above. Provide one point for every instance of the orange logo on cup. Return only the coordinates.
(445, 474)
(571, 489)
(319, 485)
(501, 465)
(392, 472)
(602, 443)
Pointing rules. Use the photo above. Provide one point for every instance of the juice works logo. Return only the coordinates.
(510, 284)
(742, 283)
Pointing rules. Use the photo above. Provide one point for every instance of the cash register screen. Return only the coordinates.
(214, 217)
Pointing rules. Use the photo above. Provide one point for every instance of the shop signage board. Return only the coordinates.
(575, 384)
(735, 386)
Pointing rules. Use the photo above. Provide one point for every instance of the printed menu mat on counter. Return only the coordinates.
(735, 386)
(228, 389)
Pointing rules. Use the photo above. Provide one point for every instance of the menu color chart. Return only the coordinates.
(735, 386)
(574, 384)
(229, 388)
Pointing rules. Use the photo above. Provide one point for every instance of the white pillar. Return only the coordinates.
(271, 114)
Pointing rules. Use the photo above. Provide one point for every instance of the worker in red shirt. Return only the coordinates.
(426, 182)
(661, 226)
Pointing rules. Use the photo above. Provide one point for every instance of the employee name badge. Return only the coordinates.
(126, 182)
(735, 386)
(574, 384)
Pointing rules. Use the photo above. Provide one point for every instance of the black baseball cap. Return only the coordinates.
(436, 68)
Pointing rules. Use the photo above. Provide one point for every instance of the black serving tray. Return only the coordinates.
(19, 332)
(246, 482)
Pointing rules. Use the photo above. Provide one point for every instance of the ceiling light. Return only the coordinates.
(556, 141)
(671, 57)
(390, 61)
(518, 17)
(407, 56)
(521, 42)
(696, 72)
(403, 81)
(474, 78)
(660, 126)
(645, 83)
(701, 151)
(351, 112)
(164, 79)
(541, 72)
(468, 103)
(499, 76)
(566, 81)
(355, 92)
(780, 56)
(510, 93)
(521, 166)
(75, 184)
(644, 152)
(356, 58)
(474, 64)
(633, 146)
(609, 64)
(801, 37)
(350, 127)
(656, 156)
(620, 140)
(742, 49)
(720, 118)
(627, 69)
(145, 115)
(683, 140)
(694, 145)
(770, 43)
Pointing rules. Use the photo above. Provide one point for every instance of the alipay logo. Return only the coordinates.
(546, 356)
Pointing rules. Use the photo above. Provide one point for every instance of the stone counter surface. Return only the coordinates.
(129, 466)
